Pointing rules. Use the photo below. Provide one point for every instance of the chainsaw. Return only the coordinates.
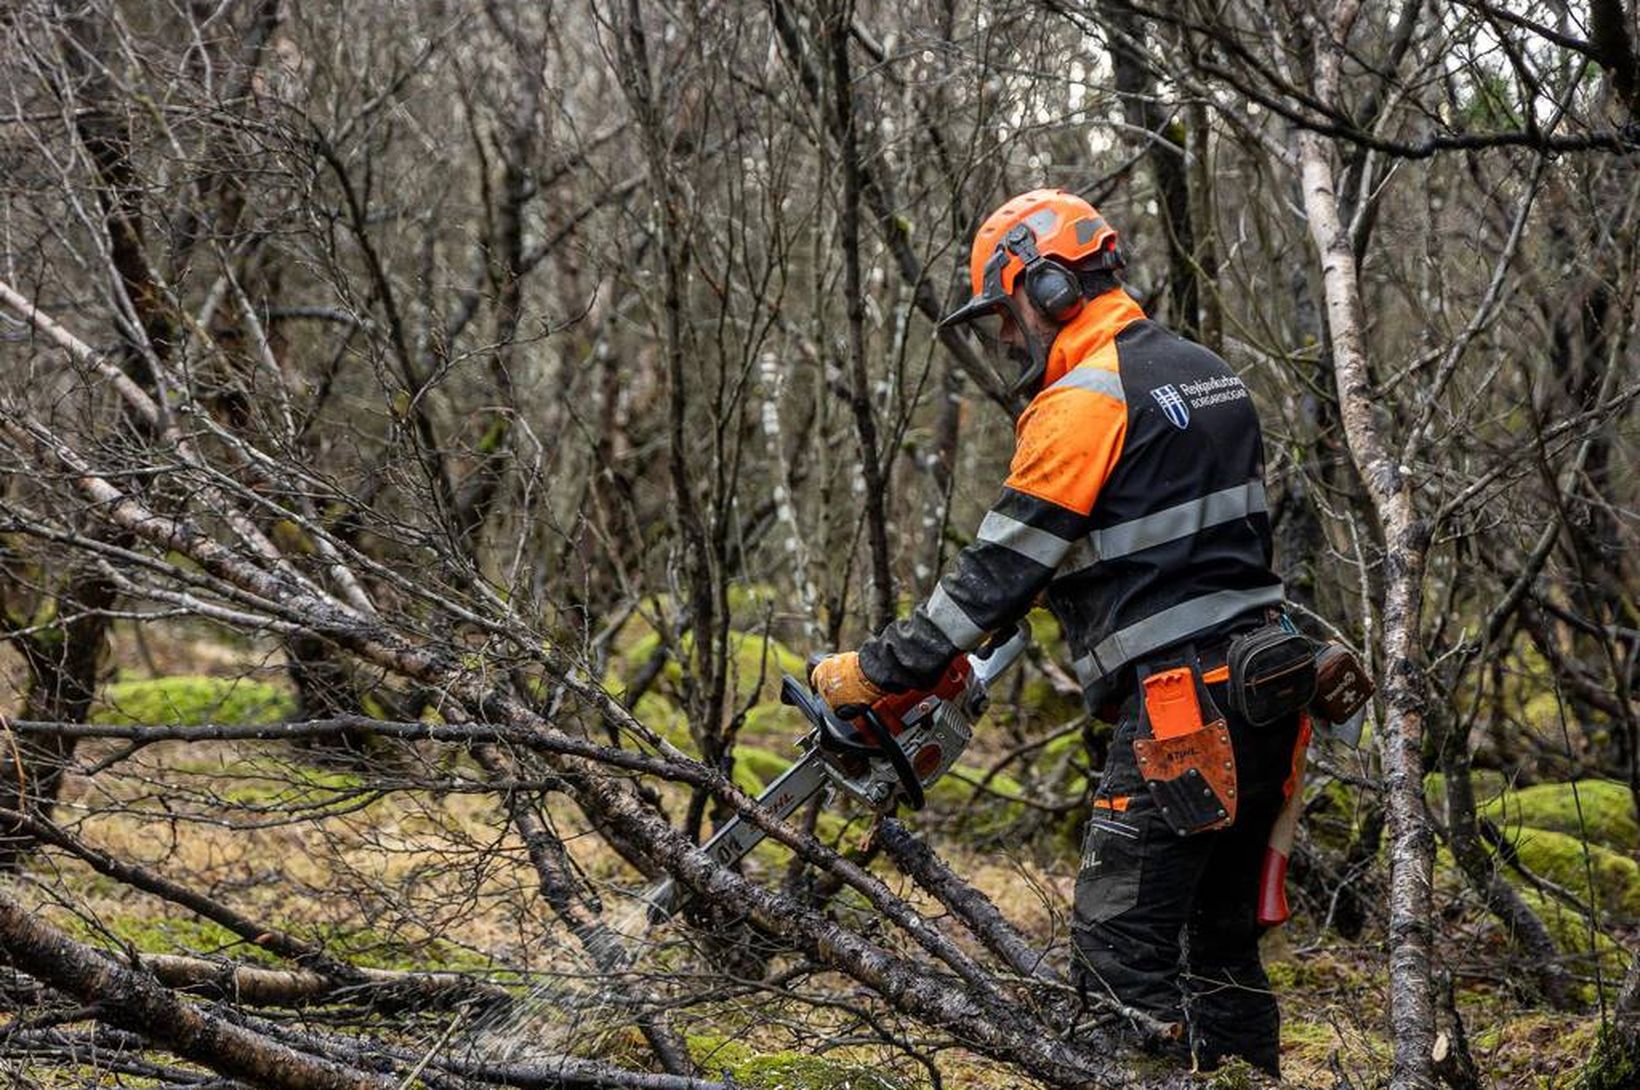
(888, 755)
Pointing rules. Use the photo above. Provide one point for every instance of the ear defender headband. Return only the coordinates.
(1053, 290)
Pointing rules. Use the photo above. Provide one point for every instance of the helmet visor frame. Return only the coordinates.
(993, 301)
(991, 297)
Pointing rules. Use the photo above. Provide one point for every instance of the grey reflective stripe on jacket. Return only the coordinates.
(1043, 546)
(944, 613)
(1168, 524)
(1170, 626)
(1095, 379)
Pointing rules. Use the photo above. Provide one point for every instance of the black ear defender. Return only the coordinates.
(1053, 290)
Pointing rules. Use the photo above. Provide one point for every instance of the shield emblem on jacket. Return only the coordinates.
(1173, 404)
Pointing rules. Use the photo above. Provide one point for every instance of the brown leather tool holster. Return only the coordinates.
(1183, 749)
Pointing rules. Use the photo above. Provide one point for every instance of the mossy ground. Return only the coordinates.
(430, 878)
(787, 1070)
(191, 700)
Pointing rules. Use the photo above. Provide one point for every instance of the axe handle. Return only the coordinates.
(1272, 879)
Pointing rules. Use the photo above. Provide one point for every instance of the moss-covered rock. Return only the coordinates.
(1602, 810)
(193, 700)
(785, 1070)
(1569, 863)
(1570, 931)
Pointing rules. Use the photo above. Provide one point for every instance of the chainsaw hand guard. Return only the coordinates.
(836, 737)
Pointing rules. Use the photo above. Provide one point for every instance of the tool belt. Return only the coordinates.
(1270, 674)
(1183, 747)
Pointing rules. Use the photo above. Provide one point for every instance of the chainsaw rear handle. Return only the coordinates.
(839, 737)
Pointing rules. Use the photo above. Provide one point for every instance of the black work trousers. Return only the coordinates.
(1168, 924)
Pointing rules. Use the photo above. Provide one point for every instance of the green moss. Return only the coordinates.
(664, 718)
(784, 1070)
(1487, 785)
(1043, 702)
(1607, 812)
(639, 651)
(1305, 1035)
(267, 781)
(747, 664)
(1561, 859)
(1333, 815)
(1614, 1065)
(774, 722)
(371, 948)
(373, 707)
(1236, 1074)
(151, 934)
(1317, 973)
(756, 768)
(749, 602)
(1570, 931)
(988, 815)
(748, 650)
(797, 1071)
(1045, 632)
(191, 701)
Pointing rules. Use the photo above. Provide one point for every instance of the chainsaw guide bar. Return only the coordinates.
(885, 757)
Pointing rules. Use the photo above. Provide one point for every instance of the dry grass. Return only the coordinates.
(430, 877)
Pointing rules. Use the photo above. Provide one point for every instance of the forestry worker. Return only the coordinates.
(1135, 501)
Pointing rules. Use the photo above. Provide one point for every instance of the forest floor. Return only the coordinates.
(410, 865)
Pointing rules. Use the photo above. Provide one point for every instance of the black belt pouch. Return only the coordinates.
(1272, 674)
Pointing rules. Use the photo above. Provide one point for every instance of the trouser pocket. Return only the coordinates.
(1107, 884)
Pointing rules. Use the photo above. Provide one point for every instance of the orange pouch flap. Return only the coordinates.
(1171, 704)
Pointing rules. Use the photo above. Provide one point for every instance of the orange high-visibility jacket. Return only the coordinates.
(1135, 498)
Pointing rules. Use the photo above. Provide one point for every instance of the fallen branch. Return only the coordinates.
(135, 1001)
(321, 978)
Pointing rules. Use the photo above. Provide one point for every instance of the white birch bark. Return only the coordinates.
(1389, 487)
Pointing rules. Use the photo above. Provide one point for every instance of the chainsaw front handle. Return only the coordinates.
(836, 736)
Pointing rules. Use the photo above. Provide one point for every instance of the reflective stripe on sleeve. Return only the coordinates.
(943, 611)
(1096, 379)
(1043, 546)
(1169, 627)
(1169, 524)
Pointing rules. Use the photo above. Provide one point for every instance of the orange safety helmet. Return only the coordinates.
(1050, 235)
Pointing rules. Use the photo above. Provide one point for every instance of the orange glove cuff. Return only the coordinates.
(840, 681)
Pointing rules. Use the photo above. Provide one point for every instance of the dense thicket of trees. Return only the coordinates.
(515, 389)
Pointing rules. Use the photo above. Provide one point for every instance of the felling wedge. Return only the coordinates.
(890, 754)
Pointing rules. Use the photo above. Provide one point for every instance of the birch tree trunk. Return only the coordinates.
(1406, 537)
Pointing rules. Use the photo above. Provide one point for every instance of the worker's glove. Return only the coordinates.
(842, 684)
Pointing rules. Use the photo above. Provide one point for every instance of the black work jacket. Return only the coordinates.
(1135, 499)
